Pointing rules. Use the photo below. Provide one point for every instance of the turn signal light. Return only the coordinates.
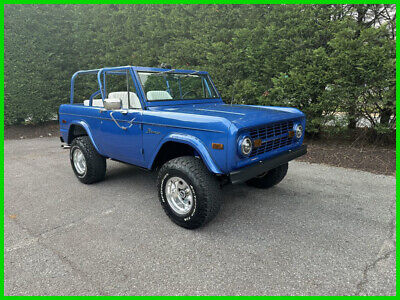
(291, 134)
(217, 146)
(257, 143)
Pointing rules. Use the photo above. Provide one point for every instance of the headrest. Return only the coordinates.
(95, 102)
(158, 95)
(134, 100)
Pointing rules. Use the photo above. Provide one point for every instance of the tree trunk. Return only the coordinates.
(352, 112)
(385, 117)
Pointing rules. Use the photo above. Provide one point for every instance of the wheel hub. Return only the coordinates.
(179, 195)
(79, 161)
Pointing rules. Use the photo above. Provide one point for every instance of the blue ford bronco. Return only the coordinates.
(174, 121)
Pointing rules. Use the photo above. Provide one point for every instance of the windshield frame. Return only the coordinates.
(200, 74)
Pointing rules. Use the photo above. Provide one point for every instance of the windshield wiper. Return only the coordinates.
(194, 73)
(159, 73)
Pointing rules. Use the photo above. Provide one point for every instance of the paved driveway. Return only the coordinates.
(322, 231)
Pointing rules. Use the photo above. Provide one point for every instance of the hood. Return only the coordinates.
(240, 115)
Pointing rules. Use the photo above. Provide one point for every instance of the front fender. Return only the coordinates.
(87, 129)
(194, 142)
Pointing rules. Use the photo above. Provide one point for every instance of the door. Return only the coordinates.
(121, 130)
(121, 134)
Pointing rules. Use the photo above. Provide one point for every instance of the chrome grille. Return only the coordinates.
(273, 136)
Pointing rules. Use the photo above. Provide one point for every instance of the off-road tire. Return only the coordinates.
(203, 184)
(95, 163)
(271, 178)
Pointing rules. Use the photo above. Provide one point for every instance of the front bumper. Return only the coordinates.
(256, 169)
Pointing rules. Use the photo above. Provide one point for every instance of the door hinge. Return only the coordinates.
(142, 151)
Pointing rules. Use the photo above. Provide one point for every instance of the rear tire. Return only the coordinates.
(188, 192)
(91, 167)
(270, 178)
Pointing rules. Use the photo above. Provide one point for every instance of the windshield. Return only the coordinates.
(162, 86)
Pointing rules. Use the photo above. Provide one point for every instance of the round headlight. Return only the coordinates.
(299, 131)
(246, 146)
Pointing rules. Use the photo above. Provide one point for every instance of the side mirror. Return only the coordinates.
(112, 104)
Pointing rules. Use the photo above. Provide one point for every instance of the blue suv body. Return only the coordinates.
(175, 121)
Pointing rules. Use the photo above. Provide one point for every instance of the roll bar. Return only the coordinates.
(118, 71)
(102, 85)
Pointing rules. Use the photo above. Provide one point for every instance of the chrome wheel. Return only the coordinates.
(179, 195)
(79, 161)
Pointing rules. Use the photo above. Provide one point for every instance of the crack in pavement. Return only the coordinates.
(381, 257)
(49, 232)
(75, 268)
(369, 268)
(38, 238)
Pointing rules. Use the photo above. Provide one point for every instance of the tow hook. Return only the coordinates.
(65, 146)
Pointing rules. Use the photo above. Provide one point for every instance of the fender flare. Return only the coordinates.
(195, 143)
(88, 131)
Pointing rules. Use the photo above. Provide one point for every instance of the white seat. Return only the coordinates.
(158, 95)
(95, 102)
(134, 100)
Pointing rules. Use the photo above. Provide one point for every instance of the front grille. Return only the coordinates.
(273, 136)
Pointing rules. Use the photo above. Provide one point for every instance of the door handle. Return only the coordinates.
(122, 127)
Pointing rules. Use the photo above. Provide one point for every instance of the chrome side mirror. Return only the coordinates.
(112, 104)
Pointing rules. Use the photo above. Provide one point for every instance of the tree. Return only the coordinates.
(364, 66)
(39, 58)
(323, 59)
(302, 49)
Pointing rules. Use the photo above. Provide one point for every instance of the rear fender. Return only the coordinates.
(195, 143)
(87, 129)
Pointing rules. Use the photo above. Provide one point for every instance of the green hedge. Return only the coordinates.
(323, 59)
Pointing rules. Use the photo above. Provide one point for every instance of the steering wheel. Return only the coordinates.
(188, 92)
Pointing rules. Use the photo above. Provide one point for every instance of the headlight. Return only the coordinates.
(299, 131)
(246, 146)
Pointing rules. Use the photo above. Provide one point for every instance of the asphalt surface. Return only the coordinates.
(322, 231)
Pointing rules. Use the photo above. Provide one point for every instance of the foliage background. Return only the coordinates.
(334, 62)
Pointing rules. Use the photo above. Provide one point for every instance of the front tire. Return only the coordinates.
(188, 192)
(270, 178)
(88, 165)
